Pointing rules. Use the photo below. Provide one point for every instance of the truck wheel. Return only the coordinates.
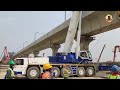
(33, 73)
(56, 70)
(68, 70)
(90, 71)
(81, 71)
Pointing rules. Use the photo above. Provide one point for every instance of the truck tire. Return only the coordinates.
(56, 70)
(69, 73)
(81, 72)
(90, 71)
(33, 73)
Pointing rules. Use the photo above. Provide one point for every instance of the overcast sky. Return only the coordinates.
(17, 29)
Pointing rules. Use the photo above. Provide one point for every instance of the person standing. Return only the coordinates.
(114, 72)
(10, 73)
(47, 71)
(65, 72)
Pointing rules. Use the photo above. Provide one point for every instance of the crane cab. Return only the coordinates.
(85, 56)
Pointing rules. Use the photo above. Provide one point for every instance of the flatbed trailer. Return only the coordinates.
(106, 66)
(81, 70)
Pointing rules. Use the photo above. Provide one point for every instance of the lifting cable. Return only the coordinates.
(103, 33)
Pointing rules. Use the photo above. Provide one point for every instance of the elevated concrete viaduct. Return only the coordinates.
(93, 22)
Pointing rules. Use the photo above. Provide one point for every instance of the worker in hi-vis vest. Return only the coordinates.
(10, 72)
(114, 72)
(47, 71)
(66, 72)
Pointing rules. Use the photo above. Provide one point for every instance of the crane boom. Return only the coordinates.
(71, 31)
(78, 37)
(101, 53)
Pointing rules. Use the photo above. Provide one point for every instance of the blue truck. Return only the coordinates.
(83, 66)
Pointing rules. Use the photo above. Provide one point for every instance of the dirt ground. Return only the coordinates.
(99, 75)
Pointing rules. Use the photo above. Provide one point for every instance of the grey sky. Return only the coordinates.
(18, 28)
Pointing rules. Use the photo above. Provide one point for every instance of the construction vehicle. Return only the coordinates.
(106, 66)
(79, 62)
(30, 67)
(115, 50)
(5, 57)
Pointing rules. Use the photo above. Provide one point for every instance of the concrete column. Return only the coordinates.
(54, 48)
(36, 53)
(25, 55)
(85, 41)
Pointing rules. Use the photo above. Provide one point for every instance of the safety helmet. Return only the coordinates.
(11, 62)
(115, 68)
(46, 75)
(47, 66)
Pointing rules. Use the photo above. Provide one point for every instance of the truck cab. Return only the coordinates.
(85, 56)
(30, 67)
(21, 66)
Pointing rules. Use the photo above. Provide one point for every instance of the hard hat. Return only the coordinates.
(47, 66)
(46, 75)
(11, 62)
(115, 68)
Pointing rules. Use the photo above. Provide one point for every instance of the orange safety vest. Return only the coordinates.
(46, 75)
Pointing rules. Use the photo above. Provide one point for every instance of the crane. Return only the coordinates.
(115, 48)
(71, 31)
(5, 55)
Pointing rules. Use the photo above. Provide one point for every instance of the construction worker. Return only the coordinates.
(10, 72)
(114, 72)
(65, 72)
(47, 71)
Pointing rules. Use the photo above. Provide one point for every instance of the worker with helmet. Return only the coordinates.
(65, 72)
(47, 71)
(10, 72)
(114, 72)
